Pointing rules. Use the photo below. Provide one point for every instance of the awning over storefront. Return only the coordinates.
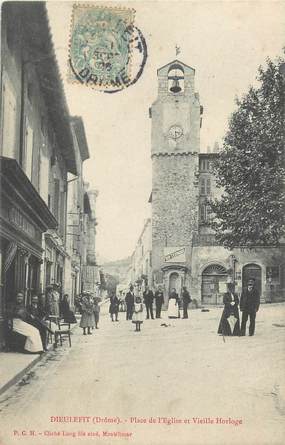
(18, 190)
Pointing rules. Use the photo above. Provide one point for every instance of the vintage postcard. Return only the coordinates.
(142, 270)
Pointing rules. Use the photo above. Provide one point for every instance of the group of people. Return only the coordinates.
(230, 319)
(57, 304)
(90, 312)
(249, 304)
(135, 305)
(33, 321)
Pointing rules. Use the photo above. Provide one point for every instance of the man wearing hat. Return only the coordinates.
(36, 316)
(130, 301)
(48, 299)
(159, 301)
(249, 305)
(148, 301)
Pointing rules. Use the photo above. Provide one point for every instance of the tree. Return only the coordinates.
(250, 168)
(111, 283)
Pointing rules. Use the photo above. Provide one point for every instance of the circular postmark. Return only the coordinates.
(107, 52)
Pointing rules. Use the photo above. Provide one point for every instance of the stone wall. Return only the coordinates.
(174, 204)
(203, 256)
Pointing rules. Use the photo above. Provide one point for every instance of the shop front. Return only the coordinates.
(24, 218)
(54, 260)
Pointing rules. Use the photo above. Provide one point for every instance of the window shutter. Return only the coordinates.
(203, 187)
(56, 199)
(208, 186)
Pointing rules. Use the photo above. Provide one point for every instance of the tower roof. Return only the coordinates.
(175, 61)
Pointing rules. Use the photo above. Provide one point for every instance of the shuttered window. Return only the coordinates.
(208, 187)
(8, 119)
(28, 151)
(56, 199)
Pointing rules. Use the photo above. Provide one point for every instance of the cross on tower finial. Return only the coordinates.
(177, 50)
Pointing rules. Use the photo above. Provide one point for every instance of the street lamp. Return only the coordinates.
(234, 261)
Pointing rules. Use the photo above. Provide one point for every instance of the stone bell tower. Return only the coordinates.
(175, 140)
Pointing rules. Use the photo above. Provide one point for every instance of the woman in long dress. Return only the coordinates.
(173, 305)
(21, 325)
(229, 323)
(65, 310)
(87, 317)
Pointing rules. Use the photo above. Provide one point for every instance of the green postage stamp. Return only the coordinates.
(102, 45)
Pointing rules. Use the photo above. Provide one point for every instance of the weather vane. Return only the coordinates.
(177, 50)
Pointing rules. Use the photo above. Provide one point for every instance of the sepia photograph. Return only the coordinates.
(142, 237)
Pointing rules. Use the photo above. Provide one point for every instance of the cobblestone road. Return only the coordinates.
(172, 385)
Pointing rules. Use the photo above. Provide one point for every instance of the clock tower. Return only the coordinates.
(175, 144)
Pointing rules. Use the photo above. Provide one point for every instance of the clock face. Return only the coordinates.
(175, 132)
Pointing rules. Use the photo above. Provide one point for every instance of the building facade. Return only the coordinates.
(184, 249)
(75, 213)
(37, 153)
(90, 269)
(140, 271)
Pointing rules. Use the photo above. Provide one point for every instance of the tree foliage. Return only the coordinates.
(111, 283)
(250, 168)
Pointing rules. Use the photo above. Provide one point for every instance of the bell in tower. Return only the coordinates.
(175, 88)
(175, 75)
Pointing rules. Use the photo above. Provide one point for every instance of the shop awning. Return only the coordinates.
(17, 186)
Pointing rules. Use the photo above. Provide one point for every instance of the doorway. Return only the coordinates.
(174, 283)
(214, 279)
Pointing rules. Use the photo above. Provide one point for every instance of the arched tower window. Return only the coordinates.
(175, 79)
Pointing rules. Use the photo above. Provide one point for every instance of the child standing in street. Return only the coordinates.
(96, 302)
(138, 313)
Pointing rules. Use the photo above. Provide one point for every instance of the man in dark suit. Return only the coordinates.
(159, 301)
(130, 301)
(186, 299)
(148, 301)
(249, 305)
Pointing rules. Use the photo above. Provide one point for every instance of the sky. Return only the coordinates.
(225, 41)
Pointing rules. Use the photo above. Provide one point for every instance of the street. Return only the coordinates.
(175, 384)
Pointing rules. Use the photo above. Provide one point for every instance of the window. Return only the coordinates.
(208, 187)
(203, 186)
(62, 214)
(203, 213)
(272, 274)
(28, 144)
(56, 198)
(146, 267)
(8, 119)
(205, 165)
(44, 176)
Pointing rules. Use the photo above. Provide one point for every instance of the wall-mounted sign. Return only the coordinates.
(18, 219)
(174, 254)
